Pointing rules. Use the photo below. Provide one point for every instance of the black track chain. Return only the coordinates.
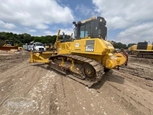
(99, 69)
(145, 55)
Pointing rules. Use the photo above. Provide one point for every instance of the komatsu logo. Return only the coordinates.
(77, 44)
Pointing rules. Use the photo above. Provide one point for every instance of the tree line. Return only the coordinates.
(21, 39)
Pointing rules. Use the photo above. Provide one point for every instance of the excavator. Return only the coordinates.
(86, 57)
(142, 50)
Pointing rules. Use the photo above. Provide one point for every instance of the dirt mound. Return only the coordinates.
(141, 60)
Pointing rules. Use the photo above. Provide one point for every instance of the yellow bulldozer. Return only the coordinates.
(10, 45)
(86, 57)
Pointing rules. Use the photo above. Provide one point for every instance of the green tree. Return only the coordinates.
(119, 45)
(131, 44)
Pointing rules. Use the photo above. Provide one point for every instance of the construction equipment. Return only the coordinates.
(142, 50)
(9, 44)
(85, 58)
(50, 47)
(132, 49)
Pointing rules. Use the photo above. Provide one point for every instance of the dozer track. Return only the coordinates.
(97, 70)
(145, 55)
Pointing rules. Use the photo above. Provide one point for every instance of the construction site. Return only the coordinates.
(127, 91)
(81, 76)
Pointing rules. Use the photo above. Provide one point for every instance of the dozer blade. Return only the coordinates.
(8, 48)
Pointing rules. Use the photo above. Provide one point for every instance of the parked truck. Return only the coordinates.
(34, 46)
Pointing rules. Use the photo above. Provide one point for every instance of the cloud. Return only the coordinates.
(143, 32)
(42, 26)
(122, 14)
(134, 18)
(83, 10)
(67, 31)
(32, 30)
(7, 25)
(50, 32)
(33, 13)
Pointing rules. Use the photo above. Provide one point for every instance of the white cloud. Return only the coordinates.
(82, 9)
(42, 26)
(50, 32)
(32, 30)
(133, 17)
(10, 31)
(143, 32)
(67, 31)
(34, 13)
(124, 13)
(7, 25)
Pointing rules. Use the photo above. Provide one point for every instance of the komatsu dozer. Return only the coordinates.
(87, 56)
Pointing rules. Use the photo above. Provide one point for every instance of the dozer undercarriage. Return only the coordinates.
(5, 48)
(145, 54)
(82, 69)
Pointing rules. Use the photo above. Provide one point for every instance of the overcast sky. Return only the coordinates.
(128, 21)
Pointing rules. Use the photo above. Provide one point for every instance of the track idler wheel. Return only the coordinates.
(90, 72)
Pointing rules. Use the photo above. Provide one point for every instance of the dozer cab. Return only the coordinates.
(86, 57)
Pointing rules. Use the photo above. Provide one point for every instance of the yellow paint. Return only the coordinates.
(84, 21)
(102, 52)
(72, 65)
(121, 58)
(40, 57)
(62, 63)
(149, 47)
(135, 50)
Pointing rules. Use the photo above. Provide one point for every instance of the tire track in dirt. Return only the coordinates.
(139, 72)
(88, 101)
(139, 81)
(11, 61)
(129, 95)
(16, 68)
(43, 92)
(60, 94)
(13, 85)
(8, 82)
(25, 83)
(118, 93)
(29, 80)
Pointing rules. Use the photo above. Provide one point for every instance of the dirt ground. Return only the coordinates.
(31, 89)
